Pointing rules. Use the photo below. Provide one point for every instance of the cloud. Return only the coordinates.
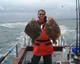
(19, 2)
(2, 8)
(46, 4)
(28, 8)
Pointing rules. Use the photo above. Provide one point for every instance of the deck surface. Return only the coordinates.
(52, 63)
(57, 56)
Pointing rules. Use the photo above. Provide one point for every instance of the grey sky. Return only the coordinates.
(18, 10)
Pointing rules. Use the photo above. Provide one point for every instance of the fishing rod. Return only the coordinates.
(77, 53)
(77, 27)
(6, 54)
(12, 48)
(77, 15)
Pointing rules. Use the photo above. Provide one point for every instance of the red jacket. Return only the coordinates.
(42, 45)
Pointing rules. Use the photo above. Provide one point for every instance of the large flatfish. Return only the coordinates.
(52, 29)
(33, 29)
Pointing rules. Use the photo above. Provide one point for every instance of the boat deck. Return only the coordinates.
(52, 63)
(58, 57)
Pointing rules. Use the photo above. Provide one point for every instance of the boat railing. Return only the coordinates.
(16, 47)
(26, 42)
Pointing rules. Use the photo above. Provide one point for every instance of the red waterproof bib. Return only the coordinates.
(42, 49)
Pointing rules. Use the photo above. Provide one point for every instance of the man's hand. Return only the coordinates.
(50, 18)
(33, 19)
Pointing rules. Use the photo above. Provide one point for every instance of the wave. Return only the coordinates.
(1, 55)
(65, 29)
(14, 25)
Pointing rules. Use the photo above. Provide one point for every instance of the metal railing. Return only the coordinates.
(16, 46)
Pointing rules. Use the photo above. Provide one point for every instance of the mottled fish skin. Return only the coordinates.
(33, 29)
(52, 29)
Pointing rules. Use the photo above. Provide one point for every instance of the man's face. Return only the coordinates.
(41, 14)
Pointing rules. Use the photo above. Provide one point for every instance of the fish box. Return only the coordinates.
(74, 50)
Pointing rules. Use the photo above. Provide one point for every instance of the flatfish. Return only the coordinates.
(33, 29)
(52, 29)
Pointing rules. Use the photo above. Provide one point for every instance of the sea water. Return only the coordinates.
(11, 32)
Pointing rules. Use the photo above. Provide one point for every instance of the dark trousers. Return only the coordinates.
(47, 59)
